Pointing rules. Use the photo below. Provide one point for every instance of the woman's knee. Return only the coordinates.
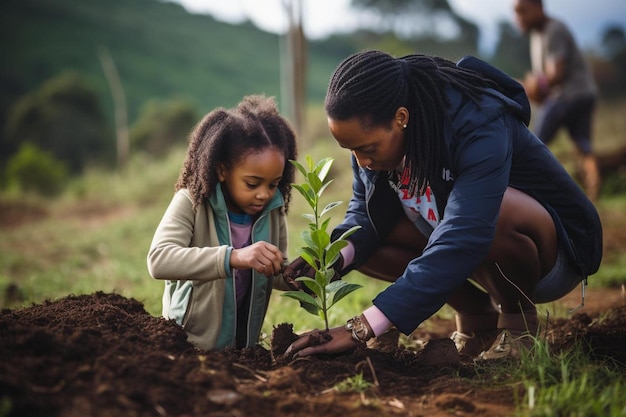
(405, 235)
(525, 232)
(403, 244)
(388, 262)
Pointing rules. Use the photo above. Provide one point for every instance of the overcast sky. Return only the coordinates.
(586, 18)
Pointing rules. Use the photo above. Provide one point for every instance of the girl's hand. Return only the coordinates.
(308, 344)
(263, 257)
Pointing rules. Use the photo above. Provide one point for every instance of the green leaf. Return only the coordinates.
(310, 252)
(311, 308)
(329, 207)
(334, 286)
(321, 190)
(314, 182)
(340, 291)
(308, 257)
(312, 285)
(337, 245)
(306, 192)
(310, 242)
(307, 302)
(309, 162)
(299, 167)
(324, 276)
(348, 232)
(307, 237)
(310, 217)
(320, 239)
(332, 252)
(323, 167)
(324, 225)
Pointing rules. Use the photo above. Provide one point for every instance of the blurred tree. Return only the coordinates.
(63, 118)
(511, 54)
(433, 20)
(614, 41)
(10, 91)
(161, 125)
(32, 169)
(294, 65)
(614, 45)
(119, 104)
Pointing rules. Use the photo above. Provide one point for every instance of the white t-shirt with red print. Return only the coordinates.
(421, 210)
(415, 207)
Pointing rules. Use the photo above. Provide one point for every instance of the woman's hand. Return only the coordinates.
(296, 269)
(263, 257)
(301, 268)
(308, 344)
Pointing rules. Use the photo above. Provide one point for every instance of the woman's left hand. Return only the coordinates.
(340, 341)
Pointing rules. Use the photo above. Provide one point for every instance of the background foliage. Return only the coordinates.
(175, 67)
(56, 130)
(70, 224)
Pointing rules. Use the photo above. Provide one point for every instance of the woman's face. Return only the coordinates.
(377, 148)
(252, 182)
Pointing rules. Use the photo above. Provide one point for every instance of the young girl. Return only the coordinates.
(449, 184)
(221, 243)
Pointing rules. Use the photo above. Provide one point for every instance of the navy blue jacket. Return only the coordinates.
(488, 148)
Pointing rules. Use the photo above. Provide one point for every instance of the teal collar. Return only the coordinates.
(218, 203)
(240, 218)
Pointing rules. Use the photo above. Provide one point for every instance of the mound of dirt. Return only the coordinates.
(104, 355)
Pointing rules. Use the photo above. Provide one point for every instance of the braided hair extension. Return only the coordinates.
(372, 85)
(227, 136)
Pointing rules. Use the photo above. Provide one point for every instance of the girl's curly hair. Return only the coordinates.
(227, 136)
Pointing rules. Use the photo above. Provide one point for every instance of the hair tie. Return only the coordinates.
(406, 68)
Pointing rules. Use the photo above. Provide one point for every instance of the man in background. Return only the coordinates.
(561, 84)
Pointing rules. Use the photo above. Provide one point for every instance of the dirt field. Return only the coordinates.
(104, 355)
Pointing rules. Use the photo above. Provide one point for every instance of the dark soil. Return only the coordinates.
(104, 355)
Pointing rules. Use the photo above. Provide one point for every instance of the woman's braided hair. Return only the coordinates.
(372, 85)
(227, 136)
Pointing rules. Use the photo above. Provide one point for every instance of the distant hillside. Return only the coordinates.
(160, 50)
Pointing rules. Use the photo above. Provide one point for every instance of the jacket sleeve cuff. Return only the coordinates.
(347, 253)
(227, 268)
(377, 320)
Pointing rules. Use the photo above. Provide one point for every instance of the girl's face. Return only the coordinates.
(251, 183)
(379, 148)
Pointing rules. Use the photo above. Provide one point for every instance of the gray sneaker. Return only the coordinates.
(471, 344)
(508, 346)
(386, 342)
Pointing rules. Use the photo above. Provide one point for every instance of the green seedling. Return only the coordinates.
(319, 252)
(356, 383)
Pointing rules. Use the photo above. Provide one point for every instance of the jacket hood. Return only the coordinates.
(468, 115)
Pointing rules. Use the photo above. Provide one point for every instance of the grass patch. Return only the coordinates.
(95, 237)
(567, 383)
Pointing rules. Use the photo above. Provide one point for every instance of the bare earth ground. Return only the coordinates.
(104, 355)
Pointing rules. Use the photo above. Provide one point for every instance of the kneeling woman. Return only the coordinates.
(451, 189)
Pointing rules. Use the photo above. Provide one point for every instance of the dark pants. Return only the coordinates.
(576, 116)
